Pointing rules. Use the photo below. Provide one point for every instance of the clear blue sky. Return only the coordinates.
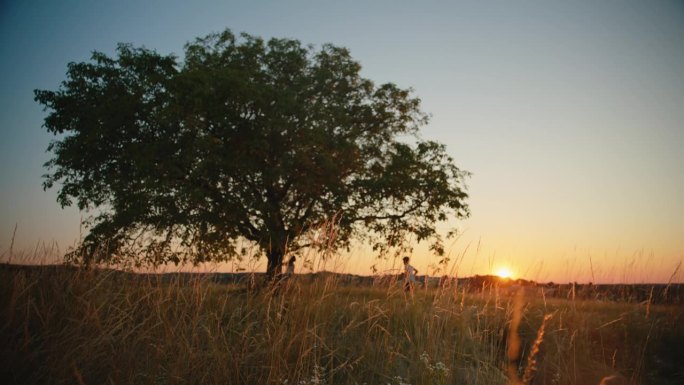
(570, 115)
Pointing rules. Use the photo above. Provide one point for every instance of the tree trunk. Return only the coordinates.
(274, 269)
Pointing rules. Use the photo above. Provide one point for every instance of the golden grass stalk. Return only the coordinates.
(531, 366)
(513, 346)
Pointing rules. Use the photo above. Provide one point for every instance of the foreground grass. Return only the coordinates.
(71, 326)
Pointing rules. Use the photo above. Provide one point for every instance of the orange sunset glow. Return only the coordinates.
(568, 118)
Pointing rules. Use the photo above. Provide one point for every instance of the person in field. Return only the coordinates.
(409, 275)
(289, 271)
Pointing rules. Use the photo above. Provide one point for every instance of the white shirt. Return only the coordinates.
(410, 273)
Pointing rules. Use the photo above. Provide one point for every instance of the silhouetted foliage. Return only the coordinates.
(270, 142)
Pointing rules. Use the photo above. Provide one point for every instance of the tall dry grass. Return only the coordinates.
(65, 325)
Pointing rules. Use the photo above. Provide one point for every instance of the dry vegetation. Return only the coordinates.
(68, 326)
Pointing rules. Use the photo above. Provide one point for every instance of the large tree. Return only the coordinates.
(272, 143)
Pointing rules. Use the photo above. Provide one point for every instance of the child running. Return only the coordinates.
(409, 275)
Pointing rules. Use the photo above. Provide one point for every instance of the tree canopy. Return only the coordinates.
(245, 141)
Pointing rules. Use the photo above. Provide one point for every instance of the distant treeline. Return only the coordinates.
(672, 294)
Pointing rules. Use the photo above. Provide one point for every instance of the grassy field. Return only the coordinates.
(62, 325)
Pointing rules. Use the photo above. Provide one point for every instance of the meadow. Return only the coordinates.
(65, 325)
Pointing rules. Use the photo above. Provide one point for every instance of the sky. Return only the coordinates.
(569, 115)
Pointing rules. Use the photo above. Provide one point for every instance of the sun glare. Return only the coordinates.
(504, 272)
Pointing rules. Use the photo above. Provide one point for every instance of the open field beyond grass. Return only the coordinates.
(67, 326)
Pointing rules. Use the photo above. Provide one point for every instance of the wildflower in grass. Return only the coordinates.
(425, 358)
(317, 377)
(398, 380)
(438, 372)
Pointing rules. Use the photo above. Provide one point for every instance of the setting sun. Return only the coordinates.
(504, 272)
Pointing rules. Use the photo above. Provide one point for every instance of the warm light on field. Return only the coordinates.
(504, 272)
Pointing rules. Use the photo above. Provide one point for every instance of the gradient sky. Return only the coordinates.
(570, 115)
